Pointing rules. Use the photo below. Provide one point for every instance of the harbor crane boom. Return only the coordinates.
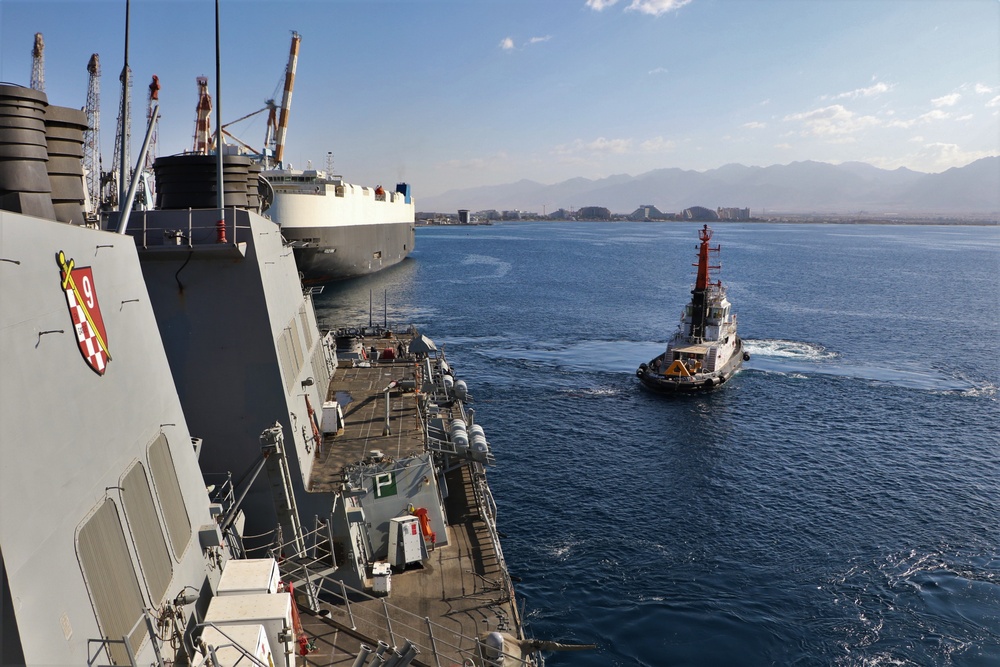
(286, 99)
(92, 165)
(202, 124)
(38, 64)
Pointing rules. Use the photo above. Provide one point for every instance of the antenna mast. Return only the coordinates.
(38, 64)
(92, 136)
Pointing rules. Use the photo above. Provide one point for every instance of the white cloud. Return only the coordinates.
(600, 5)
(651, 7)
(657, 145)
(935, 114)
(870, 91)
(833, 123)
(929, 117)
(755, 125)
(538, 40)
(983, 89)
(995, 102)
(946, 100)
(599, 145)
(656, 7)
(659, 70)
(507, 44)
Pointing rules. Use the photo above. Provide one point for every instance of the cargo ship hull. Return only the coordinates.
(325, 254)
(339, 230)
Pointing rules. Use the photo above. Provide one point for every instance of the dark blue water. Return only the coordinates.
(837, 503)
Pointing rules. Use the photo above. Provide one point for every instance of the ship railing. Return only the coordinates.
(221, 490)
(98, 647)
(372, 617)
(488, 510)
(190, 228)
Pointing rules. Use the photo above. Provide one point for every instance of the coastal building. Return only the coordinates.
(647, 212)
(733, 213)
(699, 213)
(593, 213)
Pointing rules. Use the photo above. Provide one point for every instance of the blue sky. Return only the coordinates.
(459, 93)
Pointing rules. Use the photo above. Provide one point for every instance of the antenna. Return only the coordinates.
(219, 183)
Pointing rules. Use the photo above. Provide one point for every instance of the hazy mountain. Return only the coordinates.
(799, 187)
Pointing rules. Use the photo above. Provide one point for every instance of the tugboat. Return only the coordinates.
(705, 351)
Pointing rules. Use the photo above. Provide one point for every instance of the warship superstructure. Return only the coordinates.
(188, 475)
(110, 548)
(705, 351)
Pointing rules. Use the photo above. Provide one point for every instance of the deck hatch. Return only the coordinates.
(168, 490)
(110, 576)
(150, 544)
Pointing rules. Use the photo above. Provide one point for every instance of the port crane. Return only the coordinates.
(92, 166)
(202, 124)
(277, 116)
(38, 64)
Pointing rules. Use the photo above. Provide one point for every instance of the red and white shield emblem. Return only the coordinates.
(81, 296)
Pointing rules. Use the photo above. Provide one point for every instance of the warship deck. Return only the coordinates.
(462, 591)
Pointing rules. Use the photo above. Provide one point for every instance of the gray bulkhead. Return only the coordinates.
(242, 342)
(77, 444)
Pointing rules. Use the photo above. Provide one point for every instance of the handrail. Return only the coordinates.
(399, 622)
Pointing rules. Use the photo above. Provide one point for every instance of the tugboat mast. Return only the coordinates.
(699, 295)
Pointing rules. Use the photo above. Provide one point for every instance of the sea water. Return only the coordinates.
(836, 503)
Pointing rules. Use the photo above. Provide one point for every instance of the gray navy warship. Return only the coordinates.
(192, 475)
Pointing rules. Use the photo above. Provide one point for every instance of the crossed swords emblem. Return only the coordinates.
(67, 268)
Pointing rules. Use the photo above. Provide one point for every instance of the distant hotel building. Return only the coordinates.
(647, 212)
(733, 213)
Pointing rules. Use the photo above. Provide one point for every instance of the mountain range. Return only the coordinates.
(799, 187)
